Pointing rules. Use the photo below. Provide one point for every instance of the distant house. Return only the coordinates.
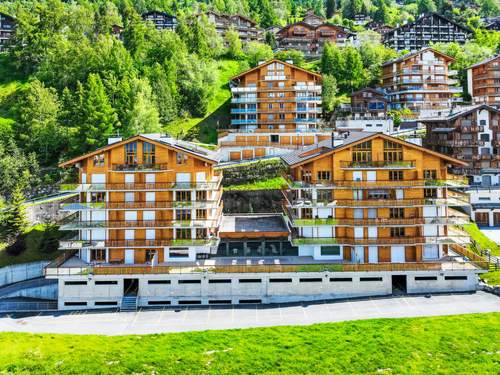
(161, 20)
(361, 19)
(310, 39)
(117, 31)
(483, 81)
(378, 27)
(428, 28)
(493, 25)
(7, 26)
(245, 27)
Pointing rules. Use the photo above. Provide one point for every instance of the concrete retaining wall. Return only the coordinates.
(83, 292)
(46, 292)
(21, 272)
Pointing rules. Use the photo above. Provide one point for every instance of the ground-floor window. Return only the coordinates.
(330, 250)
(98, 255)
(179, 252)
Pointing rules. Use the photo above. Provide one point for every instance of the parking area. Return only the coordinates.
(225, 317)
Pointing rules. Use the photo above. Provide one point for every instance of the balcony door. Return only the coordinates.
(397, 254)
(129, 256)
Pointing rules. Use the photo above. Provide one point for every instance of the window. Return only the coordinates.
(430, 174)
(430, 193)
(485, 137)
(106, 282)
(200, 233)
(75, 283)
(482, 122)
(183, 215)
(97, 255)
(99, 160)
(98, 197)
(392, 151)
(330, 250)
(323, 175)
(181, 158)
(396, 213)
(201, 195)
(131, 153)
(397, 232)
(178, 252)
(150, 254)
(306, 176)
(362, 152)
(275, 138)
(148, 153)
(183, 196)
(182, 233)
(201, 214)
(307, 213)
(395, 175)
(325, 195)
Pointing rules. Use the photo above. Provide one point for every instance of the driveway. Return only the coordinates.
(197, 318)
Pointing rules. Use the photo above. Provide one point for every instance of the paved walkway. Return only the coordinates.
(193, 319)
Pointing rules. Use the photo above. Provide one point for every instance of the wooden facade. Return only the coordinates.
(144, 197)
(369, 102)
(370, 198)
(275, 104)
(420, 81)
(161, 20)
(310, 39)
(472, 135)
(427, 29)
(483, 81)
(245, 27)
(7, 26)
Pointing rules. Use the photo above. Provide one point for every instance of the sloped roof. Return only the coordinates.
(485, 61)
(465, 111)
(428, 15)
(271, 61)
(326, 147)
(311, 27)
(178, 145)
(411, 54)
(371, 89)
(7, 16)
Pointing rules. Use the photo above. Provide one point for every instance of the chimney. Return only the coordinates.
(112, 140)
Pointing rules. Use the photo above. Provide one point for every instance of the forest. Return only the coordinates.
(67, 83)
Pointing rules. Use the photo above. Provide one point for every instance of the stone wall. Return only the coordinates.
(252, 201)
(253, 171)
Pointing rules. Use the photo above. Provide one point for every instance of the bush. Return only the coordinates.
(18, 246)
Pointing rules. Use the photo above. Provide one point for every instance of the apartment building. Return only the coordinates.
(144, 200)
(161, 20)
(275, 108)
(425, 30)
(378, 27)
(245, 27)
(484, 193)
(7, 25)
(311, 38)
(369, 198)
(421, 82)
(470, 134)
(483, 81)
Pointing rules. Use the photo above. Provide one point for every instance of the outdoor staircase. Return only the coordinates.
(129, 303)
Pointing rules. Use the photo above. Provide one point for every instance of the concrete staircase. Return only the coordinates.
(129, 303)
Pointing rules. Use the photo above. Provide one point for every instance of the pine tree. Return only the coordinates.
(98, 117)
(14, 221)
(426, 6)
(331, 7)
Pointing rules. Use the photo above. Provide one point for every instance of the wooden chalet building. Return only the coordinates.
(483, 81)
(245, 27)
(428, 28)
(161, 20)
(7, 26)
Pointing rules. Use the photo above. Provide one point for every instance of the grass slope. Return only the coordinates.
(463, 344)
(492, 278)
(204, 128)
(483, 241)
(32, 252)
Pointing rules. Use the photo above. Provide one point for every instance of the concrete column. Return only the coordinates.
(490, 218)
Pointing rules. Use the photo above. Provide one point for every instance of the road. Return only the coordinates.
(194, 319)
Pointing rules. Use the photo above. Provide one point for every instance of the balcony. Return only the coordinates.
(137, 205)
(139, 167)
(244, 122)
(343, 184)
(154, 186)
(243, 110)
(359, 203)
(380, 241)
(307, 88)
(308, 98)
(378, 164)
(346, 222)
(310, 120)
(117, 224)
(243, 89)
(76, 244)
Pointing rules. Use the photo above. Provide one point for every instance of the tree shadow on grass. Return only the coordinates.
(206, 130)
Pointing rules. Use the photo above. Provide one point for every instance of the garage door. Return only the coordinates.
(98, 178)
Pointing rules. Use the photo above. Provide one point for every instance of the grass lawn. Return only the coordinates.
(463, 344)
(481, 239)
(204, 128)
(492, 278)
(32, 252)
(269, 184)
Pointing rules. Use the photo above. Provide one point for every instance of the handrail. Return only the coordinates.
(136, 204)
(139, 186)
(133, 223)
(139, 167)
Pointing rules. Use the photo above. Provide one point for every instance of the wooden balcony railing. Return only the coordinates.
(137, 205)
(110, 224)
(377, 241)
(444, 220)
(139, 167)
(382, 164)
(141, 186)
